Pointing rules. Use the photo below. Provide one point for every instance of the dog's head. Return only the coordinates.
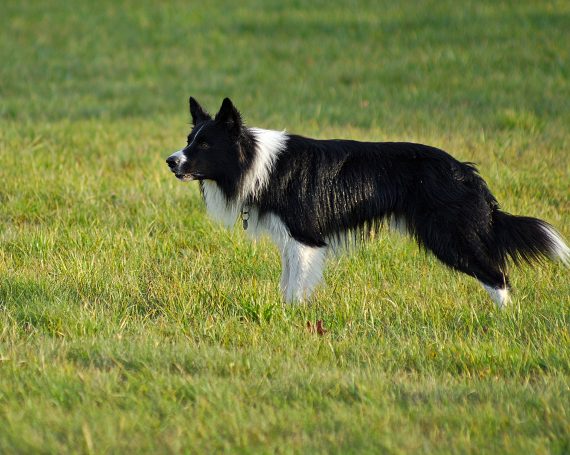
(213, 148)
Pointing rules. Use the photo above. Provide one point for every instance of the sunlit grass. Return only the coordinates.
(130, 322)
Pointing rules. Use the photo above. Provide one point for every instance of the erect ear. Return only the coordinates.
(230, 116)
(197, 112)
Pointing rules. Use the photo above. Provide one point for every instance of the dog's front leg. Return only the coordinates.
(302, 270)
(285, 271)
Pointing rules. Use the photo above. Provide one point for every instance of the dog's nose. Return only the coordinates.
(172, 161)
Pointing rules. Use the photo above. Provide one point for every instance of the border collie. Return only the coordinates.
(312, 196)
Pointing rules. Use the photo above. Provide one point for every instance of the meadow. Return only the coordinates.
(131, 323)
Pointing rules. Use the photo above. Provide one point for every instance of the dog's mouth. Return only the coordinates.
(184, 177)
(188, 177)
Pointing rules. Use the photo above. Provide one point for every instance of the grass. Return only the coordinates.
(130, 322)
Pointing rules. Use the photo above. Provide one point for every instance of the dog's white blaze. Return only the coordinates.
(196, 135)
(558, 248)
(180, 155)
(500, 296)
(269, 144)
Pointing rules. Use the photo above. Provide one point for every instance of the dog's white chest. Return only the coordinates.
(217, 205)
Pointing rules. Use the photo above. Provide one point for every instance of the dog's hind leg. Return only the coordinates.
(500, 295)
(302, 270)
(493, 279)
(461, 250)
(474, 262)
(488, 272)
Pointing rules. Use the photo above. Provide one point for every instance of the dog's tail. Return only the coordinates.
(527, 239)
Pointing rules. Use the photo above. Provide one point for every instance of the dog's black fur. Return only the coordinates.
(323, 189)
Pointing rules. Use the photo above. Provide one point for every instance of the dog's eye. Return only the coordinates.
(204, 145)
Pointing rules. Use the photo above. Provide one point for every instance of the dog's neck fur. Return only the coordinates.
(268, 145)
(225, 206)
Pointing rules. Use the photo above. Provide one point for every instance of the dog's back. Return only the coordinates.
(312, 194)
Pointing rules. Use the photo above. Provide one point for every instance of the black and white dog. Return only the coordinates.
(313, 195)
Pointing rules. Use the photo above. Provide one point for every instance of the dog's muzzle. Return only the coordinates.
(174, 161)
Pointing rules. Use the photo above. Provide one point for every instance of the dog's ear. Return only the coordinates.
(197, 112)
(230, 116)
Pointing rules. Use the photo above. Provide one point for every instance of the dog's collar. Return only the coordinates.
(244, 215)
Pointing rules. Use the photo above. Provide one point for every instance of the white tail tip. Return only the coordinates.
(558, 248)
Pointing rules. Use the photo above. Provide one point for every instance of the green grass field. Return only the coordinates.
(129, 322)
